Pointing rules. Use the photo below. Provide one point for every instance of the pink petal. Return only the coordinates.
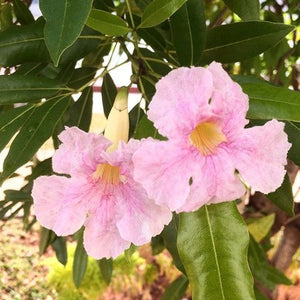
(262, 156)
(101, 235)
(181, 98)
(164, 171)
(141, 217)
(79, 152)
(59, 204)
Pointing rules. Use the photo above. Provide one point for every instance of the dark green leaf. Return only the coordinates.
(80, 263)
(60, 248)
(262, 271)
(108, 92)
(153, 38)
(6, 17)
(19, 44)
(238, 41)
(106, 269)
(95, 58)
(135, 115)
(81, 111)
(293, 131)
(46, 238)
(33, 134)
(158, 11)
(176, 290)
(188, 28)
(64, 22)
(145, 128)
(41, 168)
(18, 88)
(11, 121)
(81, 76)
(283, 196)
(259, 295)
(157, 244)
(213, 243)
(247, 10)
(107, 23)
(22, 12)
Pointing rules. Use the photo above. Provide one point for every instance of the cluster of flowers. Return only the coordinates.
(127, 195)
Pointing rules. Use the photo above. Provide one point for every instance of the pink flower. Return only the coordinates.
(99, 194)
(202, 112)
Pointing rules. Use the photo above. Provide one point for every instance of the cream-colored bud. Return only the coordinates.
(117, 125)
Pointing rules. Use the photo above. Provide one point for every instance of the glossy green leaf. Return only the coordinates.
(135, 115)
(268, 102)
(81, 111)
(145, 129)
(158, 11)
(46, 238)
(157, 244)
(60, 248)
(64, 22)
(107, 23)
(247, 10)
(95, 58)
(80, 263)
(238, 41)
(81, 76)
(189, 32)
(41, 168)
(37, 129)
(213, 243)
(176, 290)
(261, 270)
(20, 89)
(6, 16)
(283, 196)
(108, 92)
(293, 131)
(260, 227)
(10, 122)
(22, 12)
(19, 44)
(106, 269)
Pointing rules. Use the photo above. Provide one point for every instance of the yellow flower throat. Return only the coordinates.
(206, 137)
(107, 173)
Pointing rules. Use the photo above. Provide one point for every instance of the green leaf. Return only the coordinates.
(64, 22)
(176, 290)
(261, 270)
(238, 41)
(107, 23)
(22, 12)
(293, 131)
(283, 196)
(188, 31)
(259, 295)
(158, 11)
(268, 102)
(145, 129)
(106, 269)
(213, 243)
(6, 17)
(47, 236)
(60, 248)
(80, 262)
(157, 244)
(81, 76)
(108, 92)
(19, 44)
(81, 111)
(10, 122)
(260, 227)
(135, 115)
(37, 129)
(247, 10)
(20, 89)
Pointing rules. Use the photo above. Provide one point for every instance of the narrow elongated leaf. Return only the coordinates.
(176, 290)
(37, 129)
(135, 115)
(107, 23)
(60, 248)
(188, 27)
(46, 238)
(11, 121)
(22, 12)
(81, 76)
(268, 102)
(247, 10)
(158, 11)
(19, 44)
(80, 263)
(262, 271)
(106, 269)
(64, 22)
(260, 227)
(108, 92)
(293, 131)
(283, 196)
(238, 41)
(20, 89)
(212, 243)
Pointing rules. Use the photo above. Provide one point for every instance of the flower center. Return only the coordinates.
(206, 137)
(108, 173)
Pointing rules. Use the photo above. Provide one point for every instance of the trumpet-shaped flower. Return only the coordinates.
(202, 112)
(100, 194)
